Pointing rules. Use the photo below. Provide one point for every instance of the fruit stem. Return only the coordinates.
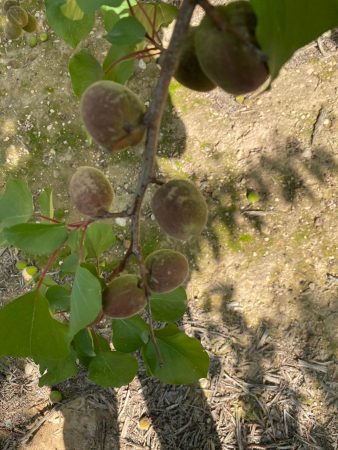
(41, 216)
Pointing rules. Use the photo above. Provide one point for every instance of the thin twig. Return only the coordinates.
(129, 56)
(154, 32)
(48, 264)
(41, 216)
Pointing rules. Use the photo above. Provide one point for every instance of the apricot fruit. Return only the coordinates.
(8, 4)
(32, 24)
(123, 297)
(180, 209)
(167, 270)
(12, 31)
(17, 16)
(113, 115)
(91, 192)
(189, 72)
(229, 55)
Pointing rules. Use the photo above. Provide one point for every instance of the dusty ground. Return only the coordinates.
(263, 287)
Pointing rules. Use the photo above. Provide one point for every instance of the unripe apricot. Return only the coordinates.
(18, 16)
(230, 55)
(189, 72)
(91, 192)
(31, 24)
(12, 30)
(113, 115)
(180, 209)
(123, 297)
(167, 270)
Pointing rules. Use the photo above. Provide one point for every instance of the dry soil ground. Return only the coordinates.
(264, 277)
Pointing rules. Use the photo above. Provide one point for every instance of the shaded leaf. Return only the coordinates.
(57, 370)
(36, 238)
(71, 31)
(84, 70)
(112, 369)
(170, 306)
(123, 70)
(83, 346)
(130, 334)
(284, 26)
(184, 359)
(110, 17)
(126, 31)
(28, 329)
(89, 6)
(46, 203)
(99, 238)
(16, 204)
(85, 301)
(58, 298)
(165, 14)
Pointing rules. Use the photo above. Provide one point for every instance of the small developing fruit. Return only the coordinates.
(230, 56)
(43, 37)
(113, 115)
(55, 396)
(91, 192)
(12, 30)
(189, 72)
(31, 24)
(123, 297)
(8, 4)
(18, 16)
(180, 209)
(167, 270)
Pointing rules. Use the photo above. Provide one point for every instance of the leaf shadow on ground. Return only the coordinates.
(266, 399)
(233, 221)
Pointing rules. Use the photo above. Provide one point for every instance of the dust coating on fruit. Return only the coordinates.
(180, 209)
(31, 24)
(123, 297)
(167, 270)
(12, 31)
(189, 72)
(231, 57)
(91, 192)
(113, 115)
(18, 16)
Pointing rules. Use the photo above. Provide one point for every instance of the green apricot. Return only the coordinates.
(180, 209)
(32, 24)
(167, 270)
(189, 72)
(113, 115)
(123, 297)
(230, 55)
(12, 31)
(91, 192)
(18, 16)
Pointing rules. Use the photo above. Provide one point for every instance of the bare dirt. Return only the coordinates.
(263, 291)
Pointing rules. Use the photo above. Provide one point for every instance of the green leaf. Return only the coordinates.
(57, 370)
(99, 238)
(70, 263)
(89, 6)
(85, 301)
(100, 343)
(112, 369)
(185, 360)
(16, 204)
(71, 10)
(165, 14)
(123, 9)
(110, 17)
(130, 334)
(83, 346)
(84, 70)
(46, 202)
(36, 238)
(28, 329)
(126, 31)
(58, 298)
(169, 307)
(71, 31)
(284, 26)
(122, 71)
